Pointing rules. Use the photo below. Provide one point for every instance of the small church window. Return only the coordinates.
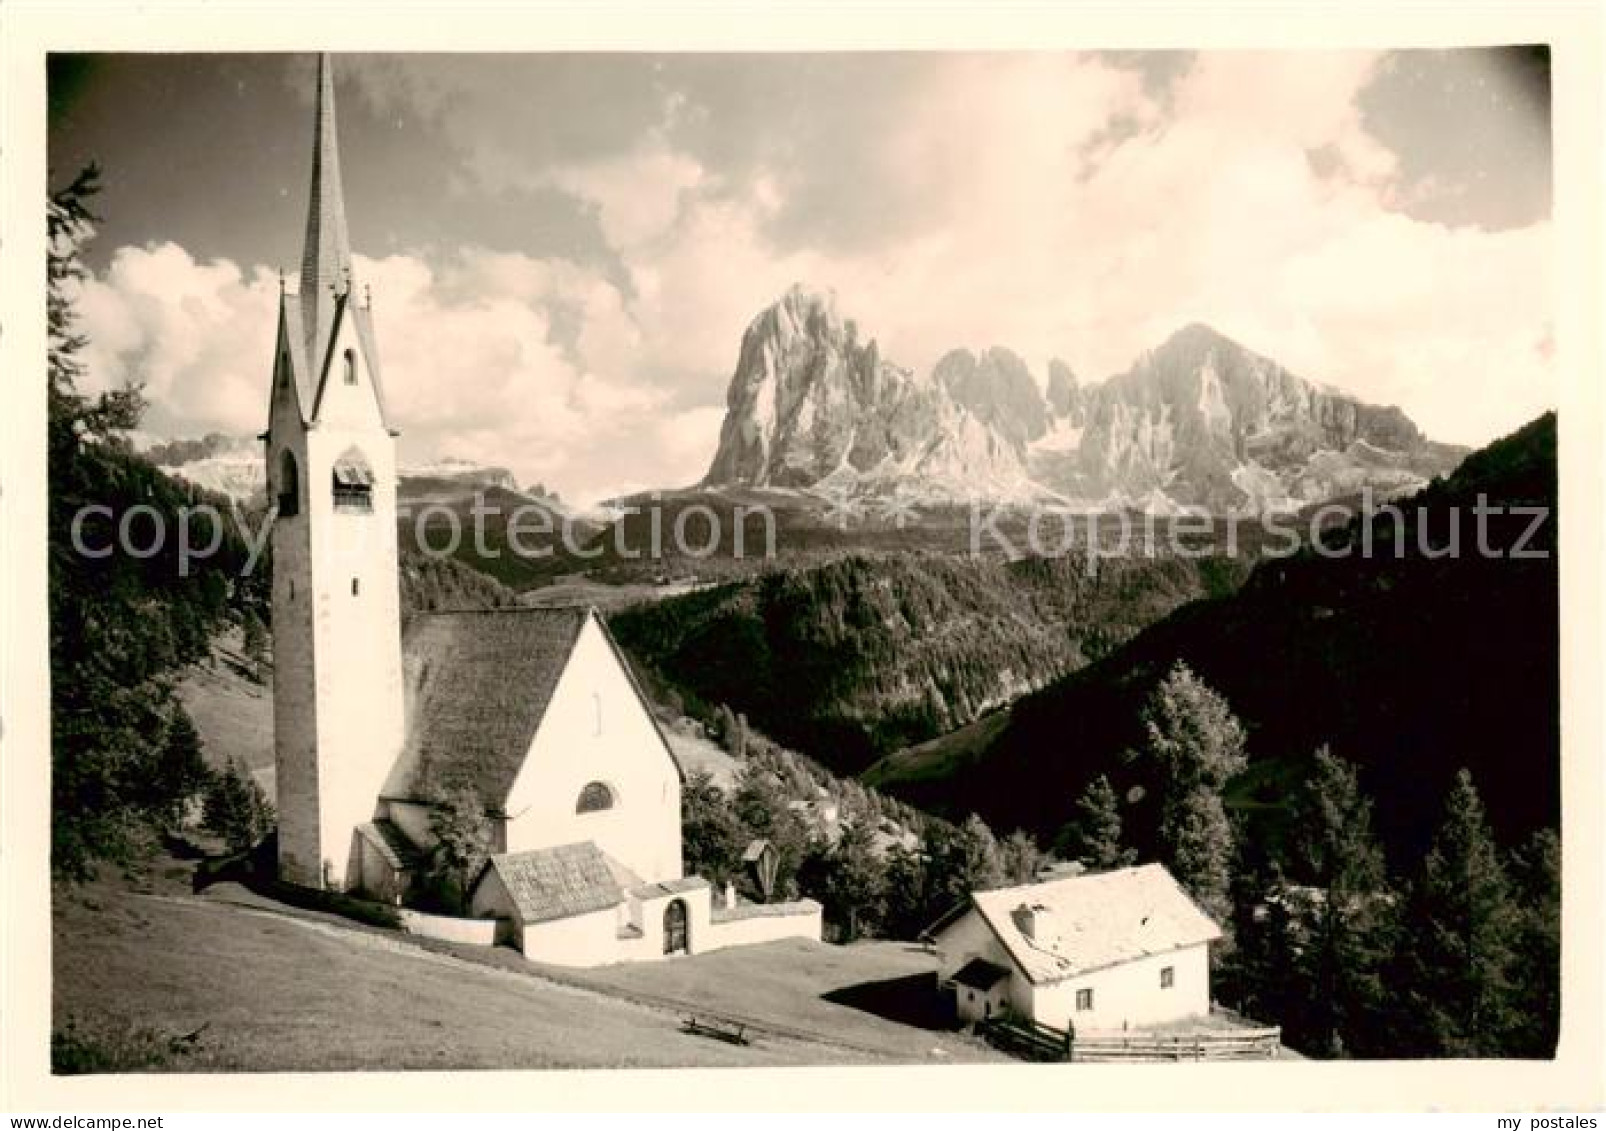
(1168, 977)
(353, 483)
(594, 798)
(289, 486)
(351, 367)
(354, 587)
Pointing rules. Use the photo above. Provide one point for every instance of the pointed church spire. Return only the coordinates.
(326, 260)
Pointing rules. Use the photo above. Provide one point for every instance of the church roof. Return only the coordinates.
(326, 256)
(392, 844)
(1067, 927)
(478, 686)
(313, 316)
(555, 883)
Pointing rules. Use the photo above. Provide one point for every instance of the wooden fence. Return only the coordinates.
(1027, 1038)
(1205, 1044)
(1043, 1042)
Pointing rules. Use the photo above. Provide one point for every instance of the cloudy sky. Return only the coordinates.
(563, 250)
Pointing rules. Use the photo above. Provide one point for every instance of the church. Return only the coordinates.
(534, 713)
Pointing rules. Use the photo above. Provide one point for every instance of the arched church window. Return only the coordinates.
(353, 483)
(351, 367)
(289, 486)
(594, 798)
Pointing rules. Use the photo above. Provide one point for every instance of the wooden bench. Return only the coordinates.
(731, 1032)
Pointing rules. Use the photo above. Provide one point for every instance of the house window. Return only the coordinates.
(1168, 977)
(353, 483)
(1084, 1000)
(594, 798)
(351, 367)
(289, 486)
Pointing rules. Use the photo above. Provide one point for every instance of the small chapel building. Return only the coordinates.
(532, 712)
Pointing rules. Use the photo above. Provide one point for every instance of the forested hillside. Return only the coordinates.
(863, 654)
(124, 755)
(1409, 665)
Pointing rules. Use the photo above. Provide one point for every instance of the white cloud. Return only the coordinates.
(1046, 202)
(466, 350)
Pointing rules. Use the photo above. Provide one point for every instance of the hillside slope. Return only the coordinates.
(1409, 665)
(267, 988)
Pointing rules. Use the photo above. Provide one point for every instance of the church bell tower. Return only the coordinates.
(331, 462)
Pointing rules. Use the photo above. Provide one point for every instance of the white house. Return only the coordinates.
(1109, 950)
(533, 712)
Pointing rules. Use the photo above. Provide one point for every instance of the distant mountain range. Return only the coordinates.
(233, 466)
(1199, 422)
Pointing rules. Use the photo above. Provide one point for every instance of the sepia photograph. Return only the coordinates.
(696, 559)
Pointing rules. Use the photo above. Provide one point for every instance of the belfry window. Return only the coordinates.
(353, 483)
(351, 367)
(289, 486)
(594, 798)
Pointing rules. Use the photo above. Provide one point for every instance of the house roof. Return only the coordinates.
(392, 844)
(1089, 922)
(979, 974)
(555, 883)
(478, 685)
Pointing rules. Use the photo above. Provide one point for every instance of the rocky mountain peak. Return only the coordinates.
(1199, 421)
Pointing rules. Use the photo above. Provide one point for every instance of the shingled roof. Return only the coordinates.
(1063, 928)
(555, 883)
(392, 844)
(312, 317)
(478, 685)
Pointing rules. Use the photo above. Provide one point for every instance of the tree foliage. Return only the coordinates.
(1335, 968)
(464, 839)
(123, 755)
(1463, 922)
(236, 809)
(1093, 835)
(1197, 745)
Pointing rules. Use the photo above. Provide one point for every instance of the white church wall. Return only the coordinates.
(579, 940)
(798, 920)
(358, 606)
(596, 730)
(447, 928)
(337, 617)
(295, 732)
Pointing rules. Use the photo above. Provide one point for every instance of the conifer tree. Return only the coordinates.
(1459, 971)
(854, 885)
(1093, 835)
(1197, 744)
(1338, 970)
(1536, 873)
(1019, 857)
